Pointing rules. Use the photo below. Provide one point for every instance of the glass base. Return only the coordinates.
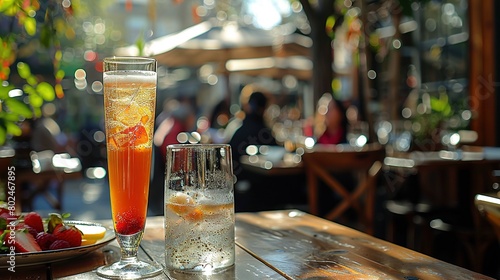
(129, 269)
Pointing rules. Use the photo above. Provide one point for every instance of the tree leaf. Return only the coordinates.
(10, 10)
(6, 4)
(32, 80)
(29, 89)
(58, 55)
(7, 116)
(37, 112)
(46, 91)
(35, 100)
(45, 36)
(35, 4)
(140, 45)
(447, 111)
(30, 26)
(60, 74)
(6, 72)
(24, 70)
(3, 135)
(12, 128)
(4, 91)
(59, 91)
(18, 107)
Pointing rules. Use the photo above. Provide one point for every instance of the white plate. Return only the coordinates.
(50, 256)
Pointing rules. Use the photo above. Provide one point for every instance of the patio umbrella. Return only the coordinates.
(214, 42)
(272, 67)
(217, 43)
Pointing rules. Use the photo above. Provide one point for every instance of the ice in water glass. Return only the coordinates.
(199, 208)
(129, 103)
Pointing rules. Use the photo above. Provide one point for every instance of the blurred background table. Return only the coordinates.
(270, 182)
(262, 165)
(433, 201)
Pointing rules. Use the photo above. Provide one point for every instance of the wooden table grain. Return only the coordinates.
(284, 244)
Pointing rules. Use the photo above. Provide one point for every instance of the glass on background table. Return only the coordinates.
(129, 104)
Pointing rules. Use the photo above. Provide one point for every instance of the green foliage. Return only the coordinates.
(430, 121)
(14, 109)
(140, 44)
(24, 98)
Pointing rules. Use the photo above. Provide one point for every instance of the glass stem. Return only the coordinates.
(129, 244)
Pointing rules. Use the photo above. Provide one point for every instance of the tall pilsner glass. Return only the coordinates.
(129, 104)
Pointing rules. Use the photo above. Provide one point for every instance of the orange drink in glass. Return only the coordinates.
(129, 104)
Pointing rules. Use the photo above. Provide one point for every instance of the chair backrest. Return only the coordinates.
(344, 157)
(365, 162)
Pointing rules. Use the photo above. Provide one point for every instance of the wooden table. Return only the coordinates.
(284, 244)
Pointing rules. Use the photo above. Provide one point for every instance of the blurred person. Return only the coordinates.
(253, 129)
(176, 117)
(333, 121)
(220, 115)
(237, 120)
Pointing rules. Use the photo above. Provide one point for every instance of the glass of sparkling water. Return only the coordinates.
(199, 208)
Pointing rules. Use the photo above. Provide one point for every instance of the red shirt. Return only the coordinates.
(335, 138)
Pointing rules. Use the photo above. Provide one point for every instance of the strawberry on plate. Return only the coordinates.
(25, 242)
(34, 220)
(6, 214)
(33, 234)
(45, 239)
(30, 230)
(59, 244)
(71, 234)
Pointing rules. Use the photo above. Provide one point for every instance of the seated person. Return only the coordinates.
(335, 124)
(253, 129)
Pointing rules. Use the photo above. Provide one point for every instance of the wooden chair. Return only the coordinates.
(365, 163)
